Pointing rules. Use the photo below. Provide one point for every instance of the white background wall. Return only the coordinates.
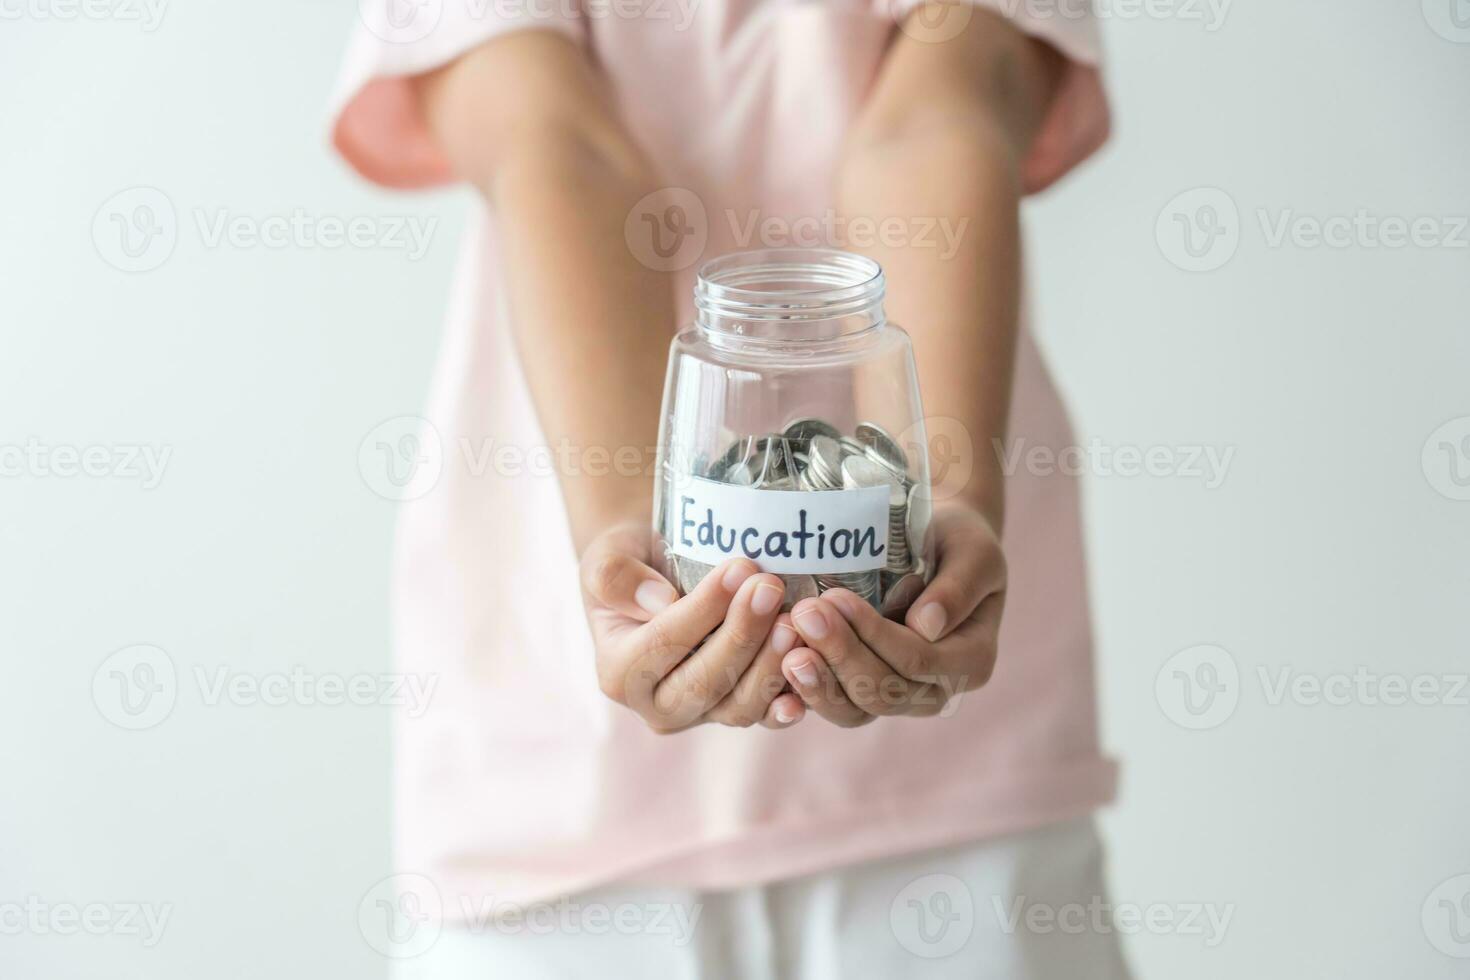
(1330, 544)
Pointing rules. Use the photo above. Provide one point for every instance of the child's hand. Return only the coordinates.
(856, 665)
(644, 632)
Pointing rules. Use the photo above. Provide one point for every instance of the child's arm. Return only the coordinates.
(527, 120)
(942, 137)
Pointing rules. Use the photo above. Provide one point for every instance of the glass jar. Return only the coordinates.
(793, 432)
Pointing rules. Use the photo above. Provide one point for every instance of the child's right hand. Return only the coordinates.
(644, 634)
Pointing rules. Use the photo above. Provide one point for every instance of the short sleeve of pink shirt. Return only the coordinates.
(519, 780)
(377, 126)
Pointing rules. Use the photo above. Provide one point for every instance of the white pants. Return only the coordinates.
(1005, 908)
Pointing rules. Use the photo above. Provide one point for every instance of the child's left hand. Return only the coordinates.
(857, 665)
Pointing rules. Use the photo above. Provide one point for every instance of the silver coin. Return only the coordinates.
(753, 461)
(773, 459)
(865, 585)
(801, 431)
(740, 474)
(690, 573)
(916, 524)
(901, 594)
(824, 465)
(798, 587)
(860, 471)
(882, 447)
(738, 452)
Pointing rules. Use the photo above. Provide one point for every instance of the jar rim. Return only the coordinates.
(788, 284)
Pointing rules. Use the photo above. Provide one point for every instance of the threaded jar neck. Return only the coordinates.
(789, 296)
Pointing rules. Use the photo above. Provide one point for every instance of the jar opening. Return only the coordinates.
(790, 294)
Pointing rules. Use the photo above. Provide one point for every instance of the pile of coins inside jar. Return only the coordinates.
(812, 455)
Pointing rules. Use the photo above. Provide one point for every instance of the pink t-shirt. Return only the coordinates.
(521, 780)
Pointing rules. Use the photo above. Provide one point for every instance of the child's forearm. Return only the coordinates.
(938, 146)
(526, 121)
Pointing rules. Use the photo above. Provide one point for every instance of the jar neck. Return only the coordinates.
(781, 297)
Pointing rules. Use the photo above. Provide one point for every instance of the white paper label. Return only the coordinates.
(785, 531)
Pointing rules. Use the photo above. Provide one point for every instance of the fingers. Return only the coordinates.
(810, 676)
(615, 576)
(630, 667)
(869, 681)
(754, 697)
(703, 680)
(962, 661)
(901, 648)
(975, 645)
(786, 710)
(970, 567)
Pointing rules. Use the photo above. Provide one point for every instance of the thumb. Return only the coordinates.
(620, 581)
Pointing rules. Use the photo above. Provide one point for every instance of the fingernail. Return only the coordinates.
(811, 622)
(806, 673)
(735, 574)
(785, 713)
(655, 596)
(930, 621)
(767, 597)
(783, 638)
